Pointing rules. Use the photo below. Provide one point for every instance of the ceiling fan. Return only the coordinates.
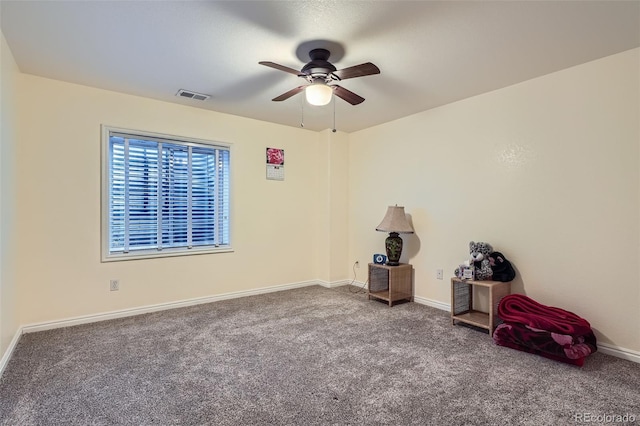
(319, 72)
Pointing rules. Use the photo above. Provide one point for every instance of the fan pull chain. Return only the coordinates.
(302, 112)
(334, 115)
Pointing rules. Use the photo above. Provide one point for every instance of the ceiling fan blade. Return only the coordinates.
(357, 71)
(279, 67)
(347, 95)
(288, 94)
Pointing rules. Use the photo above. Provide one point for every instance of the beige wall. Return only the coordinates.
(333, 159)
(59, 270)
(546, 171)
(338, 202)
(8, 315)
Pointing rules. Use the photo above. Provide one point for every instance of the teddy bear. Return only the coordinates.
(501, 267)
(479, 257)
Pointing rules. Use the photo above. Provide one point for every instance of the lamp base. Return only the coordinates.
(393, 244)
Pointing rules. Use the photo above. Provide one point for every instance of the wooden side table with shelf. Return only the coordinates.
(462, 308)
(390, 283)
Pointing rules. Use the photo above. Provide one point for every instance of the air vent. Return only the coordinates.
(192, 95)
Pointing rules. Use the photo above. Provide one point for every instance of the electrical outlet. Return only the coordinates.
(114, 285)
(357, 263)
(439, 274)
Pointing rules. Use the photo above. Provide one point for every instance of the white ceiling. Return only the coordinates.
(429, 53)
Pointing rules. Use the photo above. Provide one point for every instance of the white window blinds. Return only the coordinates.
(166, 194)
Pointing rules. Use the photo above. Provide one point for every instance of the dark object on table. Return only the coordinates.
(501, 267)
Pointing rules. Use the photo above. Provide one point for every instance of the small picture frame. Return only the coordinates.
(467, 272)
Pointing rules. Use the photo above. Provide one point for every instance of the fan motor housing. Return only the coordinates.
(319, 65)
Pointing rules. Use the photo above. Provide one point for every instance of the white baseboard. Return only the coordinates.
(333, 284)
(7, 354)
(432, 303)
(619, 352)
(85, 319)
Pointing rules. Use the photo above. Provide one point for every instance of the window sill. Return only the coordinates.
(141, 255)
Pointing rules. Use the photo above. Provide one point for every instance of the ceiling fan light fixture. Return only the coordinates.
(318, 93)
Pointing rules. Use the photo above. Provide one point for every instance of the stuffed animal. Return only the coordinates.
(479, 253)
(464, 271)
(501, 267)
(479, 257)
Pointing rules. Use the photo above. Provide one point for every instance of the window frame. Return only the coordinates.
(106, 256)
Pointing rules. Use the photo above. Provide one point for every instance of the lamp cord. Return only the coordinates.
(361, 289)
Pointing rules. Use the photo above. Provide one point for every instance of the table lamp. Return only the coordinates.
(394, 222)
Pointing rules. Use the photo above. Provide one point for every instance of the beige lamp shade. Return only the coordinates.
(395, 221)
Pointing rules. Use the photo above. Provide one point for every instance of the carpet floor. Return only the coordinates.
(308, 356)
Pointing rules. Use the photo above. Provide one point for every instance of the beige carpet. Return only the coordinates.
(310, 356)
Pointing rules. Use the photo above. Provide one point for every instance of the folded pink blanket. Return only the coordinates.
(559, 347)
(518, 308)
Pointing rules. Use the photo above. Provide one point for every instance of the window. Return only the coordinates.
(163, 195)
